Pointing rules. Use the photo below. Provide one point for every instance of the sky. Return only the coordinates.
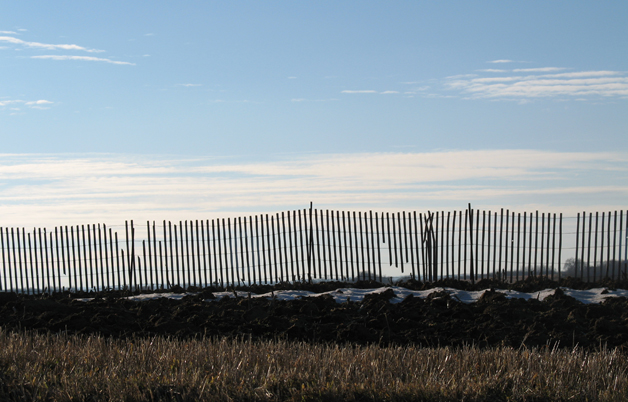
(158, 110)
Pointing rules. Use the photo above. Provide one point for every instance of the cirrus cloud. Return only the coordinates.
(38, 104)
(577, 84)
(48, 46)
(538, 70)
(83, 58)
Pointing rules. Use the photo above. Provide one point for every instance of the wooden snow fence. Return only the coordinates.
(314, 244)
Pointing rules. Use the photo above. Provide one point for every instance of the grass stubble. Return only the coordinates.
(60, 367)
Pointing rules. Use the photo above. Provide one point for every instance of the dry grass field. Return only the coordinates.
(60, 367)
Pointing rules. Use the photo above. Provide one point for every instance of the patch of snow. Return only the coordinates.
(342, 295)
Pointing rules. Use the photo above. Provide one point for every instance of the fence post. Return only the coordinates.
(74, 258)
(589, 248)
(560, 244)
(577, 240)
(310, 246)
(260, 252)
(120, 270)
(441, 244)
(224, 243)
(132, 266)
(126, 224)
(30, 253)
(477, 245)
(59, 262)
(149, 251)
(553, 243)
(252, 250)
(512, 245)
(189, 238)
(483, 241)
(608, 247)
(394, 236)
(536, 242)
(518, 243)
(355, 237)
(91, 261)
(345, 245)
(614, 244)
(506, 243)
(595, 249)
(302, 265)
(322, 245)
(4, 267)
(405, 238)
(501, 242)
(336, 245)
(471, 271)
(390, 260)
(453, 238)
(379, 251)
(84, 255)
(584, 219)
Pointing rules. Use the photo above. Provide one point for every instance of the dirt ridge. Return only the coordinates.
(438, 320)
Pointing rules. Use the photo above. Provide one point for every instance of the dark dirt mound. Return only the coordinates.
(437, 320)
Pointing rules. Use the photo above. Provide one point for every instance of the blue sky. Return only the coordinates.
(150, 110)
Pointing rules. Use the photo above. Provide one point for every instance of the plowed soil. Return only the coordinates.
(438, 320)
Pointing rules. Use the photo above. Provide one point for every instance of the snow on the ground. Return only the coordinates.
(356, 295)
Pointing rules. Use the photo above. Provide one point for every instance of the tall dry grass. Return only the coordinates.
(74, 368)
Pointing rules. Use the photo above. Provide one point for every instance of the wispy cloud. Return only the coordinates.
(82, 58)
(8, 33)
(500, 61)
(63, 189)
(39, 102)
(190, 85)
(48, 46)
(576, 84)
(538, 70)
(587, 74)
(389, 92)
(9, 102)
(361, 91)
(33, 104)
(492, 70)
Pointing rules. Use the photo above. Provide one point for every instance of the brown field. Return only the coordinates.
(62, 367)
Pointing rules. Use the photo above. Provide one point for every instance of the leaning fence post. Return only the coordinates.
(126, 224)
(132, 267)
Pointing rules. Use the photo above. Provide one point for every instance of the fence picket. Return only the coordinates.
(453, 238)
